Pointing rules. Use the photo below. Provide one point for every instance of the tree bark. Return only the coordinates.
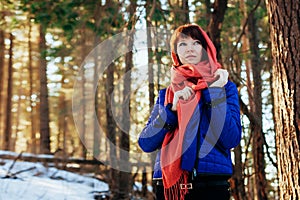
(186, 13)
(32, 108)
(125, 173)
(82, 112)
(256, 108)
(215, 24)
(62, 117)
(8, 121)
(2, 49)
(237, 181)
(150, 8)
(180, 12)
(208, 11)
(99, 9)
(44, 106)
(111, 130)
(285, 39)
(150, 72)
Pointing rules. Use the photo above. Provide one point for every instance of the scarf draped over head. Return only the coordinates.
(197, 77)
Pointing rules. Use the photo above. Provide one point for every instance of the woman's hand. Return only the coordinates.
(183, 94)
(222, 80)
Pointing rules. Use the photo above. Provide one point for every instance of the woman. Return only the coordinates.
(195, 122)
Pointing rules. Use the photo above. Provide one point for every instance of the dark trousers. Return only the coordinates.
(203, 192)
(160, 192)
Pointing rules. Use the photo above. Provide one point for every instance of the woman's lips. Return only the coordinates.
(190, 56)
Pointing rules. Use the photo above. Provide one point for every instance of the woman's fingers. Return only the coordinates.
(185, 93)
(222, 75)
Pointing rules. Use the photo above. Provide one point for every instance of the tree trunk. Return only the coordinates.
(17, 117)
(2, 49)
(44, 106)
(96, 135)
(125, 140)
(180, 12)
(150, 52)
(237, 181)
(8, 122)
(186, 13)
(285, 39)
(83, 112)
(125, 170)
(256, 109)
(99, 9)
(32, 141)
(111, 130)
(150, 7)
(62, 118)
(208, 11)
(215, 24)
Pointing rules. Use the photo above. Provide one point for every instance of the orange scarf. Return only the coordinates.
(197, 77)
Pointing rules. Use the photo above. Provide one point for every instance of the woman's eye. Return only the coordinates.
(182, 44)
(197, 43)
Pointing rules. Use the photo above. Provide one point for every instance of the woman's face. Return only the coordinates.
(189, 50)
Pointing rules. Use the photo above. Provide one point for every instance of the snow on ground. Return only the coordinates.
(45, 183)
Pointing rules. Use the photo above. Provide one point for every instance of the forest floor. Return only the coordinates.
(27, 180)
(33, 180)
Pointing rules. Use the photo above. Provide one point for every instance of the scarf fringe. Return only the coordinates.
(175, 192)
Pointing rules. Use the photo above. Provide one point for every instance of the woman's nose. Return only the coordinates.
(189, 47)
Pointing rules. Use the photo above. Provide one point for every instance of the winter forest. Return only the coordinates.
(79, 79)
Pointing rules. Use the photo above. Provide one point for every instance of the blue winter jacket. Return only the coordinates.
(219, 130)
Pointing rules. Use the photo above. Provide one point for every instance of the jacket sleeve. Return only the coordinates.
(224, 113)
(161, 121)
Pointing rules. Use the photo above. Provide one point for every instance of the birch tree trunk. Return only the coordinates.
(285, 39)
